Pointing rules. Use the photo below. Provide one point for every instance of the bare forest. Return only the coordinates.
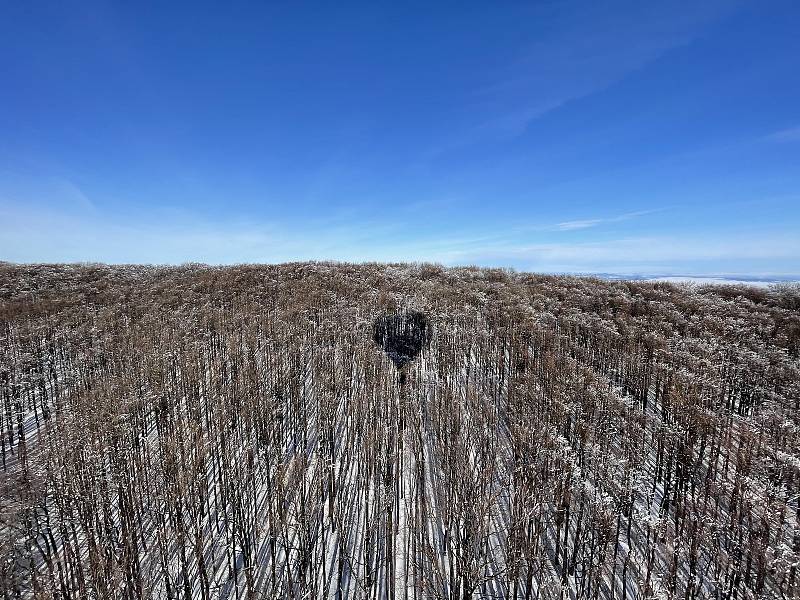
(398, 432)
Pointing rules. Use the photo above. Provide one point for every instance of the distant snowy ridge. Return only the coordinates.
(754, 280)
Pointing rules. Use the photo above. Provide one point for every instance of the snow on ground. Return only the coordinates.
(716, 281)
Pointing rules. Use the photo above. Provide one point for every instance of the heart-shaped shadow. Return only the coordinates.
(402, 336)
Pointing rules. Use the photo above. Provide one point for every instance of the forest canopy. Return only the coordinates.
(242, 432)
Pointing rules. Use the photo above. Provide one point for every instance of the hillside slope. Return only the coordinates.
(197, 432)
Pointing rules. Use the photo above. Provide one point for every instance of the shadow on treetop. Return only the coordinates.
(402, 336)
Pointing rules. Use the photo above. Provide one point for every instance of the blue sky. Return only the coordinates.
(620, 137)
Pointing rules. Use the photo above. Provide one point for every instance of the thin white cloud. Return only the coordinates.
(587, 223)
(791, 134)
(47, 236)
(597, 48)
(751, 253)
(582, 224)
(173, 236)
(74, 195)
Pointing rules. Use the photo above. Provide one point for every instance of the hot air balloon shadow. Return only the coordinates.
(402, 336)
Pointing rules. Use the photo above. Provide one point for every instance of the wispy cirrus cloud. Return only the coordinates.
(174, 236)
(580, 224)
(792, 134)
(587, 223)
(754, 253)
(595, 49)
(39, 234)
